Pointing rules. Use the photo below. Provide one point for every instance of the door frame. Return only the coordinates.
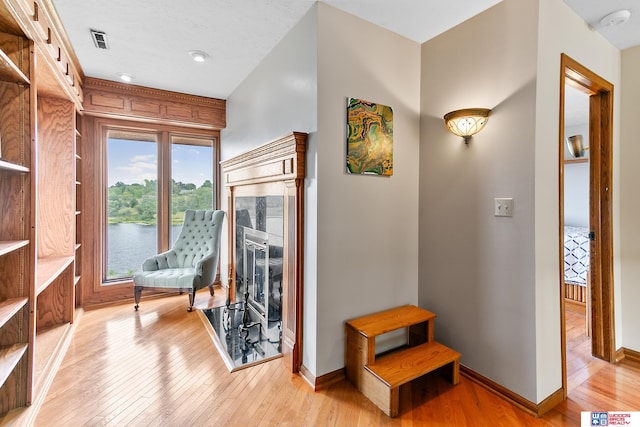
(600, 94)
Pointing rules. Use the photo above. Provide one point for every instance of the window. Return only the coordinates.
(151, 179)
(191, 178)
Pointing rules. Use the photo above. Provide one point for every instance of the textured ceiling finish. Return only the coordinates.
(150, 39)
(418, 20)
(622, 36)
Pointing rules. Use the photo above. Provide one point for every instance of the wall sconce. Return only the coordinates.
(466, 122)
(576, 146)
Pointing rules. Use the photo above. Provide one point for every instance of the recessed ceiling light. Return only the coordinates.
(127, 78)
(198, 55)
(618, 17)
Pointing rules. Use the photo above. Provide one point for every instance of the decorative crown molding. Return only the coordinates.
(91, 82)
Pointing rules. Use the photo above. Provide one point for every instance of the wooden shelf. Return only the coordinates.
(9, 246)
(10, 307)
(4, 165)
(9, 72)
(582, 160)
(77, 246)
(9, 358)
(49, 269)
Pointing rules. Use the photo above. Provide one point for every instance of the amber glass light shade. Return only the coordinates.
(467, 122)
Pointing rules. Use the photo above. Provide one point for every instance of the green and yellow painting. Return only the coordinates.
(370, 138)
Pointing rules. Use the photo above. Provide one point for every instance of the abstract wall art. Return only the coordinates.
(370, 138)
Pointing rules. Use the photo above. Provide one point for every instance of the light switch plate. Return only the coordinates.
(503, 207)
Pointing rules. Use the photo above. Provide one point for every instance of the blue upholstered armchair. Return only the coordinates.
(192, 262)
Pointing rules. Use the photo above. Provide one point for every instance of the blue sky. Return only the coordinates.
(133, 162)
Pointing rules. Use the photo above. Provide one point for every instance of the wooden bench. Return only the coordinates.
(380, 377)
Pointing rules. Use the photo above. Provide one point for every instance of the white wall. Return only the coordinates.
(576, 181)
(367, 225)
(576, 194)
(630, 202)
(278, 97)
(477, 270)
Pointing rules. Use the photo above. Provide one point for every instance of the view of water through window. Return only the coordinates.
(132, 201)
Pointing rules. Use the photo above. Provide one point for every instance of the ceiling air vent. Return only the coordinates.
(99, 39)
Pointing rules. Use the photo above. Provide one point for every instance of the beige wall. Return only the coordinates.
(495, 281)
(361, 245)
(367, 225)
(630, 201)
(278, 97)
(561, 31)
(477, 270)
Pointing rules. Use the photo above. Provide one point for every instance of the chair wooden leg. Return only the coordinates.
(137, 293)
(192, 299)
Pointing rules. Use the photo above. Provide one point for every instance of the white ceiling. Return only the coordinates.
(622, 36)
(150, 39)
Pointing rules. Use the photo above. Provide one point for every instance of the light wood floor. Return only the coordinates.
(159, 367)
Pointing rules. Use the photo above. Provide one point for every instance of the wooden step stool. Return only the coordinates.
(379, 378)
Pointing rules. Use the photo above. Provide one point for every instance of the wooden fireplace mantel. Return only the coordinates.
(276, 168)
(280, 160)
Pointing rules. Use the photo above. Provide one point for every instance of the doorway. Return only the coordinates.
(600, 230)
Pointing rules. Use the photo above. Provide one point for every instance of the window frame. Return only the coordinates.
(164, 135)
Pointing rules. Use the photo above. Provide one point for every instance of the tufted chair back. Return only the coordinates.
(199, 237)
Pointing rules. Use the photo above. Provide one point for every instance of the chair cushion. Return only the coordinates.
(167, 278)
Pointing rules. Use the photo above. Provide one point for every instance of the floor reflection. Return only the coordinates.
(241, 338)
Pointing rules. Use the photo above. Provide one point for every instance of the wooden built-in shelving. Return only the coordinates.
(40, 93)
(8, 166)
(9, 359)
(9, 72)
(16, 251)
(9, 307)
(12, 245)
(49, 269)
(78, 207)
